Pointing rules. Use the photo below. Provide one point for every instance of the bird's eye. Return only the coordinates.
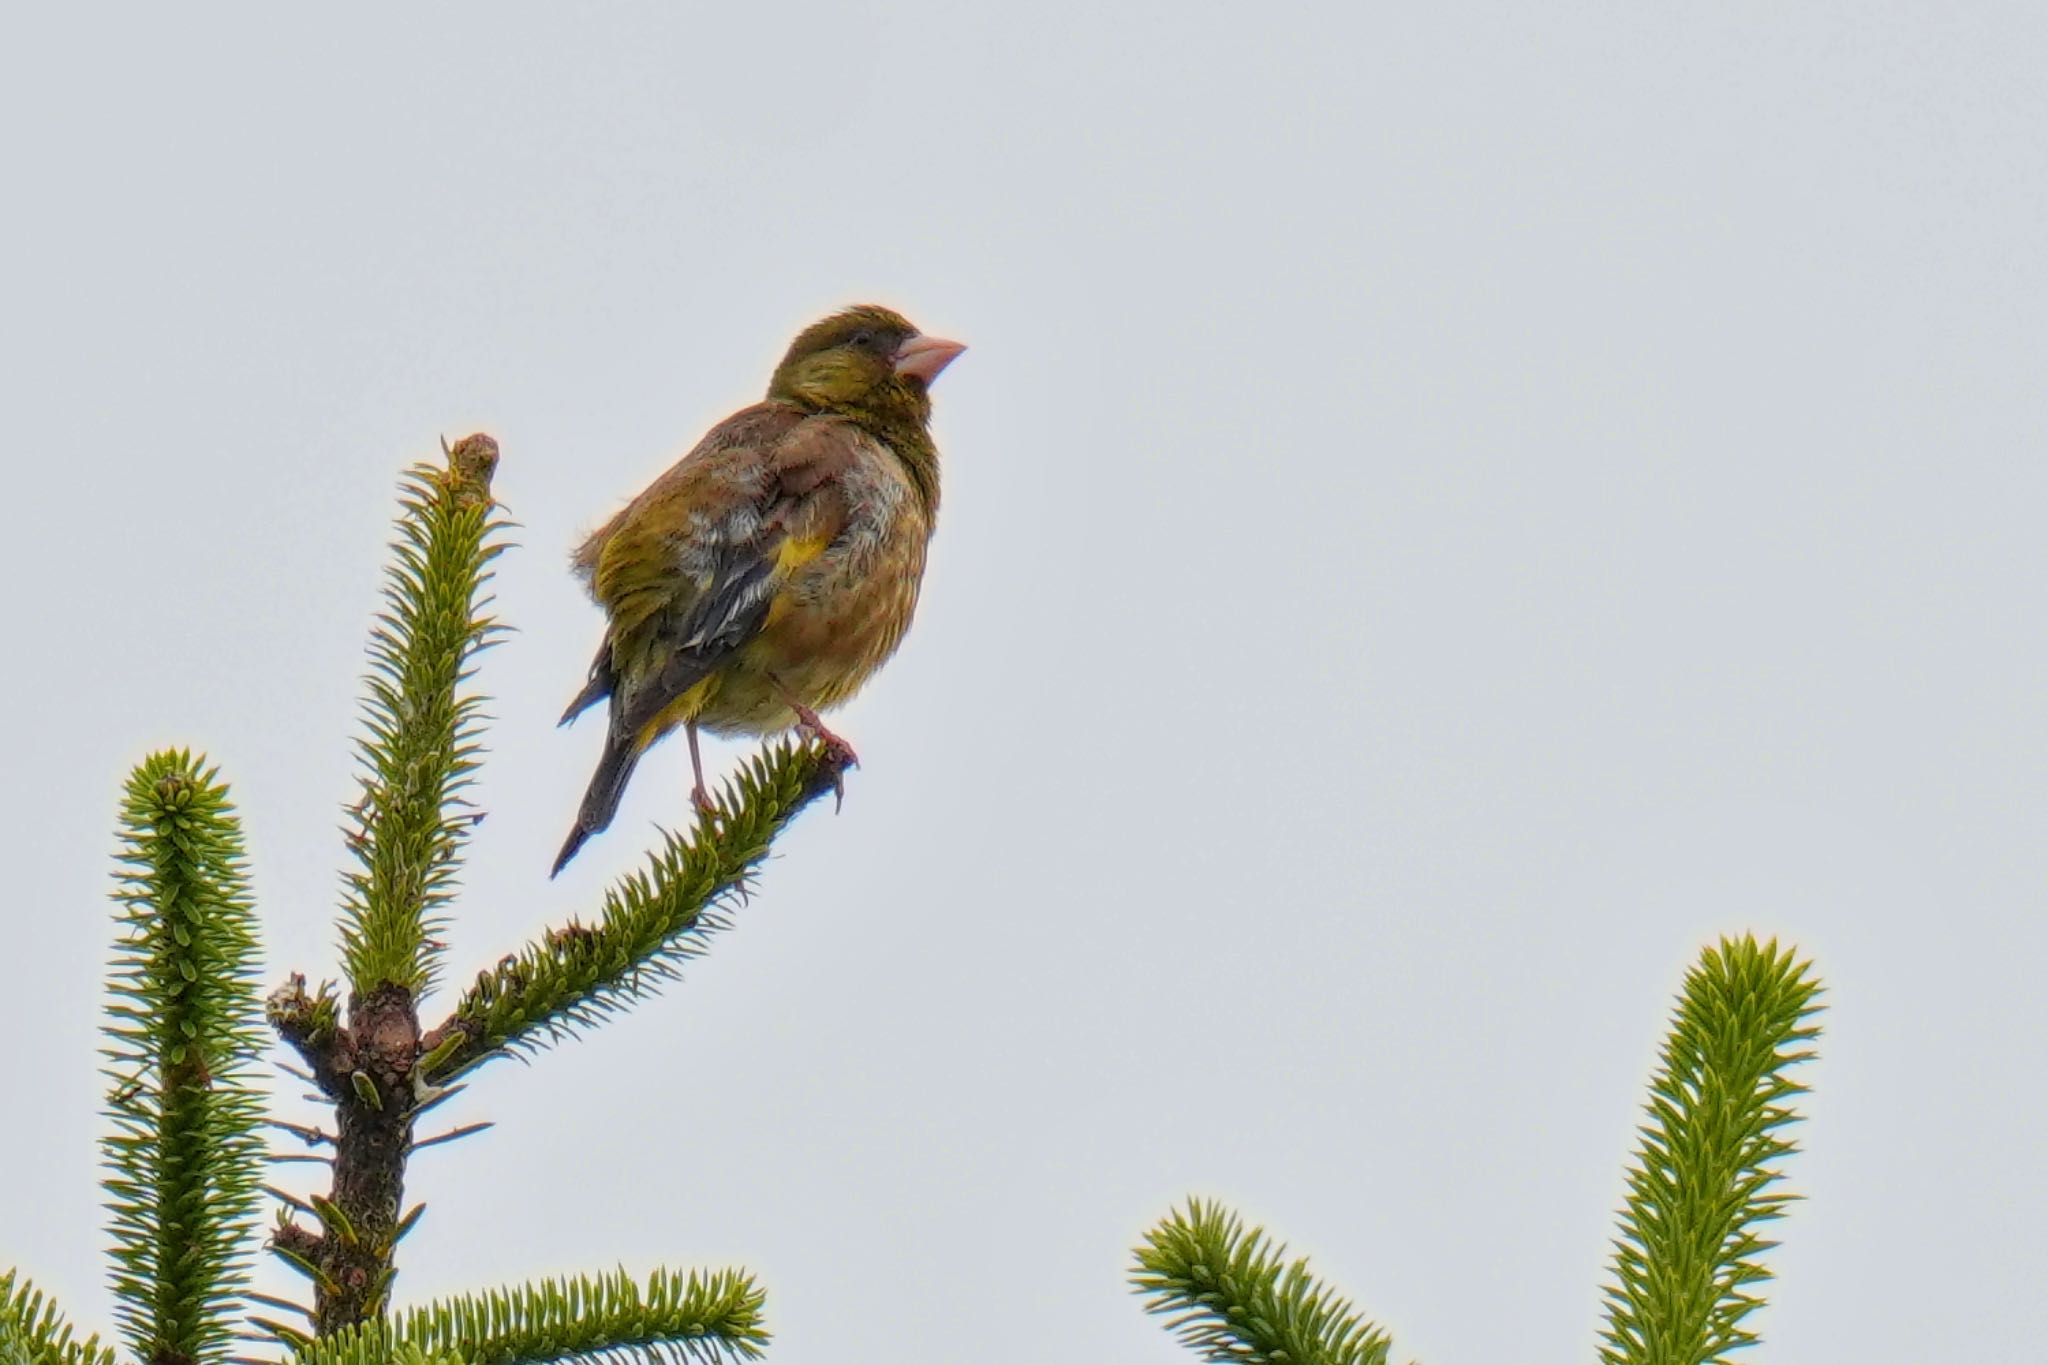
(864, 339)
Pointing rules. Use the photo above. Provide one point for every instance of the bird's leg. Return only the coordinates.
(838, 752)
(699, 797)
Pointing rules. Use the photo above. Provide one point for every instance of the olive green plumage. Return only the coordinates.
(774, 568)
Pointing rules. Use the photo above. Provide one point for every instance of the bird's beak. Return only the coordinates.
(922, 358)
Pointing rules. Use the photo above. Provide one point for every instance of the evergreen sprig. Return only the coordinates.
(688, 1318)
(184, 1157)
(358, 1347)
(1233, 1296)
(33, 1332)
(421, 742)
(654, 921)
(1703, 1179)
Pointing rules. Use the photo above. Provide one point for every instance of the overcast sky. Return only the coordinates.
(1449, 509)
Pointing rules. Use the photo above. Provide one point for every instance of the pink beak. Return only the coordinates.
(923, 357)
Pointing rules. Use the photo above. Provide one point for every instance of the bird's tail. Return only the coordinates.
(601, 800)
(599, 686)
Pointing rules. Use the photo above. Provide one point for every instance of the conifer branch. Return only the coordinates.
(653, 922)
(184, 1043)
(311, 1023)
(691, 1319)
(374, 1348)
(422, 742)
(1703, 1178)
(1233, 1297)
(421, 748)
(33, 1332)
(376, 1098)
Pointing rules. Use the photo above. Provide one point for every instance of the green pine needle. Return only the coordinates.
(184, 1042)
(422, 745)
(33, 1332)
(689, 1319)
(1233, 1296)
(653, 922)
(1687, 1258)
(358, 1348)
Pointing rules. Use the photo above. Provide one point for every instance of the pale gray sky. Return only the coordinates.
(1449, 508)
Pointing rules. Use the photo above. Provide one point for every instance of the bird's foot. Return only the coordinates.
(701, 799)
(839, 755)
(708, 814)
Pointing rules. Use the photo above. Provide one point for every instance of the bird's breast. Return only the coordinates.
(840, 614)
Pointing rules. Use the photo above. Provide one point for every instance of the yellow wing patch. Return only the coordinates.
(796, 553)
(639, 596)
(683, 708)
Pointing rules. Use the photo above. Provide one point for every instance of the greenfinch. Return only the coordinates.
(769, 573)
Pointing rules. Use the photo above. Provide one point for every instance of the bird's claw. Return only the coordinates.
(838, 754)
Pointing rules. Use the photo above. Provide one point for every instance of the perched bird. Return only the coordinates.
(773, 569)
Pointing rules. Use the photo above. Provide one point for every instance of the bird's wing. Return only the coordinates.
(688, 572)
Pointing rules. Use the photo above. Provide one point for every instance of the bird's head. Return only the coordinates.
(867, 363)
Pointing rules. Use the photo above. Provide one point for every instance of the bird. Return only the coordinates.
(768, 573)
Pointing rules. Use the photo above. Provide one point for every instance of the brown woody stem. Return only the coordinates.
(368, 1070)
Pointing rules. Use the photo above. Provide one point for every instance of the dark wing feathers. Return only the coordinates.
(688, 571)
(688, 643)
(725, 452)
